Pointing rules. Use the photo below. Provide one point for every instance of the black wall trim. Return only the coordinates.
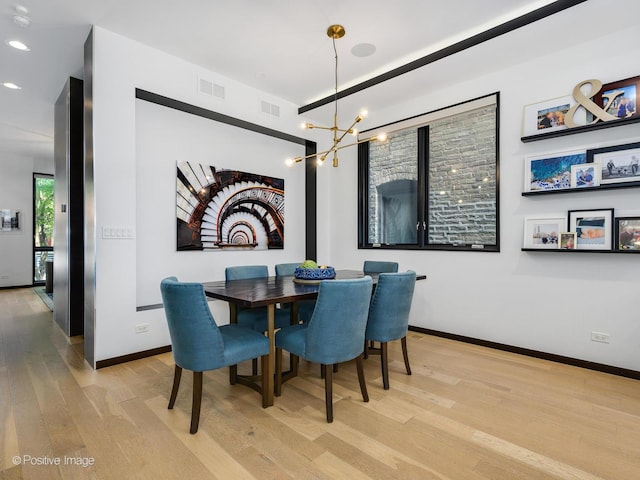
(218, 117)
(12, 287)
(311, 202)
(576, 362)
(482, 37)
(144, 308)
(132, 356)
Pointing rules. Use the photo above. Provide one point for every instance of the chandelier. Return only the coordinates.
(334, 32)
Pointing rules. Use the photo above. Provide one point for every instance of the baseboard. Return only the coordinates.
(600, 367)
(132, 356)
(16, 286)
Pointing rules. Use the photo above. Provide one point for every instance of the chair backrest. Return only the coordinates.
(195, 339)
(372, 266)
(336, 329)
(246, 271)
(285, 269)
(390, 306)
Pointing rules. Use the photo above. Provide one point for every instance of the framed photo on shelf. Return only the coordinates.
(551, 171)
(627, 234)
(567, 241)
(593, 228)
(547, 116)
(617, 164)
(542, 232)
(619, 97)
(585, 175)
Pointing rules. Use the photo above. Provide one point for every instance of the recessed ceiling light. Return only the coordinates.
(21, 18)
(22, 21)
(18, 45)
(12, 86)
(363, 50)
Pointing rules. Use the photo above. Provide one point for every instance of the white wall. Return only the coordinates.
(16, 193)
(546, 302)
(165, 137)
(121, 66)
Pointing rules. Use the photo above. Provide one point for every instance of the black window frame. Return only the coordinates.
(422, 214)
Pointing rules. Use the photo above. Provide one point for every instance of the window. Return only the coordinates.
(434, 183)
(43, 215)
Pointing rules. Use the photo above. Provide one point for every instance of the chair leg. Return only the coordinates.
(328, 391)
(405, 354)
(254, 367)
(278, 387)
(177, 374)
(233, 374)
(335, 368)
(384, 363)
(363, 384)
(197, 400)
(366, 350)
(263, 366)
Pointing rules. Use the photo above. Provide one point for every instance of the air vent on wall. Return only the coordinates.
(207, 87)
(270, 109)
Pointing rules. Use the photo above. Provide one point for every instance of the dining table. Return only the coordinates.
(269, 292)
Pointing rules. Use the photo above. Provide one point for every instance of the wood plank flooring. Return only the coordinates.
(467, 412)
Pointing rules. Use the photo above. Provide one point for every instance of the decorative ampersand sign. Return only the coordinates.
(590, 105)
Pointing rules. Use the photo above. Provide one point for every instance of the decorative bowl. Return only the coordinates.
(315, 273)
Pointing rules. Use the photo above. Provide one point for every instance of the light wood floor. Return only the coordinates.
(467, 412)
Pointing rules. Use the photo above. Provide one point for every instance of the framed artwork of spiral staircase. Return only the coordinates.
(219, 209)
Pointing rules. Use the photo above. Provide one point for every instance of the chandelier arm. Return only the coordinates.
(335, 149)
(350, 129)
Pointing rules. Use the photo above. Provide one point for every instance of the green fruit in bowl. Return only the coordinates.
(308, 264)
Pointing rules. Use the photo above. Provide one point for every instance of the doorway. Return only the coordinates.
(43, 226)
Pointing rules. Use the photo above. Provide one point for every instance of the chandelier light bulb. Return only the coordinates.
(382, 137)
(289, 162)
(354, 132)
(304, 125)
(364, 113)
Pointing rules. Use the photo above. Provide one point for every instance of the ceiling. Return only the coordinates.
(278, 46)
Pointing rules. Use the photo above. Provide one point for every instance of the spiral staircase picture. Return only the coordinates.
(220, 209)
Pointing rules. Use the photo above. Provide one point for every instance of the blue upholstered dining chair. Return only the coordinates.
(199, 345)
(334, 334)
(372, 266)
(305, 307)
(389, 317)
(255, 318)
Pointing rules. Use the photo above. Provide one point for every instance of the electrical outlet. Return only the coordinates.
(142, 328)
(600, 337)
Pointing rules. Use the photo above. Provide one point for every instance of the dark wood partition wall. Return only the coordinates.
(68, 261)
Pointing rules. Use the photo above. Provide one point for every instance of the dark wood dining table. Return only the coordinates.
(268, 292)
